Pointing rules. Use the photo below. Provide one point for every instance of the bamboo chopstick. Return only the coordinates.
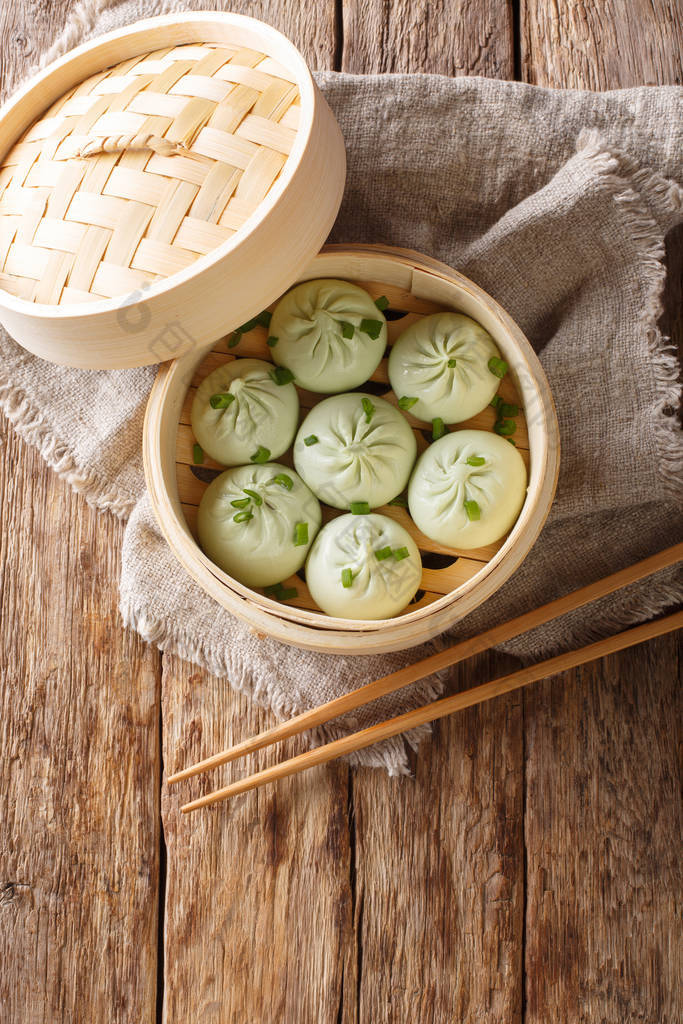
(441, 708)
(436, 662)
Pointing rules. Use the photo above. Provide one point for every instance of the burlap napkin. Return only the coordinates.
(558, 204)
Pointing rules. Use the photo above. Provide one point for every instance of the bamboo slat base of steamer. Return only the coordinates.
(444, 569)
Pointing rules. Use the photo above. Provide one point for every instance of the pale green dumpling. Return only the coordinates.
(330, 334)
(355, 448)
(241, 411)
(363, 567)
(257, 523)
(467, 489)
(442, 361)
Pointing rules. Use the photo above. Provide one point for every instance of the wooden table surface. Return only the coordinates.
(530, 871)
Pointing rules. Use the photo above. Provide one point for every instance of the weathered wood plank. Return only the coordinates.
(448, 37)
(79, 757)
(602, 821)
(258, 900)
(79, 763)
(439, 892)
(603, 827)
(591, 44)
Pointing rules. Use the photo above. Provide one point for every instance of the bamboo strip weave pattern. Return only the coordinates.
(141, 169)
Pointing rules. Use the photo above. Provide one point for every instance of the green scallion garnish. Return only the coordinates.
(281, 375)
(221, 400)
(368, 409)
(271, 342)
(283, 480)
(452, 363)
(280, 593)
(495, 402)
(359, 508)
(371, 327)
(311, 439)
(400, 554)
(197, 454)
(244, 516)
(261, 320)
(346, 578)
(400, 501)
(383, 553)
(234, 339)
(261, 455)
(505, 427)
(347, 329)
(406, 402)
(498, 367)
(438, 428)
(472, 510)
(258, 500)
(240, 502)
(476, 460)
(507, 409)
(511, 441)
(300, 534)
(382, 303)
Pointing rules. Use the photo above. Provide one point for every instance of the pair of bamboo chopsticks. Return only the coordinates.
(447, 705)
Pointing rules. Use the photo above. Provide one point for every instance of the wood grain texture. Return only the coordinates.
(258, 899)
(602, 812)
(601, 44)
(448, 37)
(603, 827)
(78, 760)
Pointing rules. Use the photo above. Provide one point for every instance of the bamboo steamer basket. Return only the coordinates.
(454, 582)
(144, 175)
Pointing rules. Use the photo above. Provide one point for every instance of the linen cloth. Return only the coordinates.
(558, 204)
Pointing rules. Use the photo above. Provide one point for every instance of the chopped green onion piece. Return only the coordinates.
(283, 480)
(234, 339)
(510, 441)
(311, 439)
(221, 400)
(347, 329)
(371, 327)
(382, 303)
(300, 534)
(476, 460)
(272, 342)
(400, 501)
(496, 401)
(383, 553)
(281, 375)
(406, 403)
(280, 593)
(438, 428)
(508, 409)
(244, 516)
(346, 578)
(261, 455)
(368, 409)
(264, 318)
(505, 427)
(472, 509)
(401, 553)
(197, 454)
(258, 500)
(359, 508)
(452, 363)
(498, 367)
(240, 502)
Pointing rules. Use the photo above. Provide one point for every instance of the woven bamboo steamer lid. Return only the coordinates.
(159, 186)
(454, 582)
